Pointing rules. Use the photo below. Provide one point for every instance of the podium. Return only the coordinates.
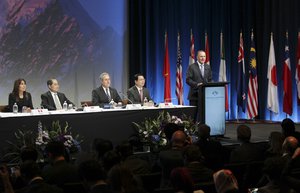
(211, 106)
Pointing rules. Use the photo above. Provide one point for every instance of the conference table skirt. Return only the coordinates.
(115, 125)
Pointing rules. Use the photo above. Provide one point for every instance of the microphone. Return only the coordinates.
(126, 97)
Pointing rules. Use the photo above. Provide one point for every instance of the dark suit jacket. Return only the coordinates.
(134, 95)
(99, 97)
(26, 101)
(39, 186)
(48, 101)
(199, 172)
(247, 152)
(193, 77)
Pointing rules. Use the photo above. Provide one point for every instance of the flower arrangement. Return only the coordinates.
(40, 137)
(152, 130)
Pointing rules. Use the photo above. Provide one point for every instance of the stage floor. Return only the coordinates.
(260, 130)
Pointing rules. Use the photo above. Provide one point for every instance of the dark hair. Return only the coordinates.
(29, 154)
(125, 149)
(288, 127)
(15, 90)
(181, 180)
(204, 131)
(136, 76)
(56, 148)
(110, 159)
(101, 146)
(30, 169)
(244, 133)
(192, 153)
(50, 82)
(91, 171)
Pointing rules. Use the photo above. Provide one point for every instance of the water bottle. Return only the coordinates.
(65, 106)
(15, 108)
(145, 100)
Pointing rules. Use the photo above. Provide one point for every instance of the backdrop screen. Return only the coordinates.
(72, 41)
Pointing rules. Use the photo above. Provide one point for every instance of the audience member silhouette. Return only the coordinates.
(288, 128)
(275, 145)
(35, 183)
(182, 181)
(195, 165)
(94, 177)
(59, 171)
(247, 151)
(212, 150)
(135, 164)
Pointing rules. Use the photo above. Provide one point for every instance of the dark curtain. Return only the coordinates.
(150, 19)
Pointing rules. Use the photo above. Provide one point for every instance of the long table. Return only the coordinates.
(113, 124)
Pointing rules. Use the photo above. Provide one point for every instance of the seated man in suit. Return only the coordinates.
(105, 94)
(138, 93)
(54, 100)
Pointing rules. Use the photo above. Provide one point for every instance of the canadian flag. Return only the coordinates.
(272, 80)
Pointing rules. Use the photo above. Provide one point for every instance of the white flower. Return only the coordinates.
(164, 141)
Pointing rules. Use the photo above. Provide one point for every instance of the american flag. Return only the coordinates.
(252, 100)
(179, 83)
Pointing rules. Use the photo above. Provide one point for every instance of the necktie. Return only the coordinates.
(141, 95)
(57, 103)
(202, 70)
(107, 93)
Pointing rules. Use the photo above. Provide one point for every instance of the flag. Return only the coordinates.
(272, 80)
(287, 81)
(241, 84)
(179, 82)
(252, 99)
(298, 70)
(207, 60)
(222, 71)
(166, 72)
(192, 50)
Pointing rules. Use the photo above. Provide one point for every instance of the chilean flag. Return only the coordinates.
(287, 81)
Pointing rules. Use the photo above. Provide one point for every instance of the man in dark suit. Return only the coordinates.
(105, 94)
(138, 93)
(197, 74)
(54, 100)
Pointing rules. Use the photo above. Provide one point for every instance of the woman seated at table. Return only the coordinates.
(20, 97)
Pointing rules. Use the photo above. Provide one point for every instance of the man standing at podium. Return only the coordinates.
(197, 74)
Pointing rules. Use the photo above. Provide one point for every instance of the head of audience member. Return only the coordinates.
(29, 170)
(125, 149)
(289, 145)
(92, 173)
(19, 87)
(288, 127)
(53, 85)
(169, 129)
(203, 132)
(55, 151)
(110, 159)
(192, 154)
(181, 180)
(122, 180)
(105, 79)
(179, 140)
(243, 133)
(275, 141)
(28, 154)
(139, 80)
(201, 56)
(101, 146)
(225, 182)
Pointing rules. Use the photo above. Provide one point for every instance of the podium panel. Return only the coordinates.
(211, 107)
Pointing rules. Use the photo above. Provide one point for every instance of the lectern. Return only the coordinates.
(211, 106)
